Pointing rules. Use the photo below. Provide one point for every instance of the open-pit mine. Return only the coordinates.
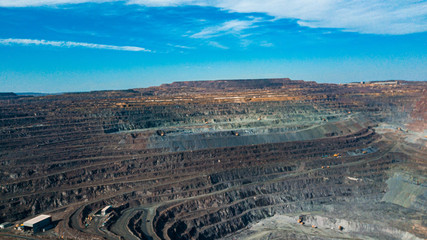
(241, 159)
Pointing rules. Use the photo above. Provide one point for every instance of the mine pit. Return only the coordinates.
(244, 159)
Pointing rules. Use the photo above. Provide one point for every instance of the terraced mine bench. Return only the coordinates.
(219, 159)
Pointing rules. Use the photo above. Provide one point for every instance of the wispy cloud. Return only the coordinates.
(217, 45)
(168, 3)
(180, 46)
(266, 44)
(150, 3)
(69, 44)
(36, 3)
(233, 27)
(374, 16)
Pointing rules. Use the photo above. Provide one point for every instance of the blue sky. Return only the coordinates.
(83, 45)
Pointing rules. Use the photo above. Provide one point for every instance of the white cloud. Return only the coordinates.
(150, 3)
(68, 44)
(36, 3)
(266, 44)
(233, 26)
(180, 46)
(167, 3)
(217, 45)
(374, 16)
(363, 16)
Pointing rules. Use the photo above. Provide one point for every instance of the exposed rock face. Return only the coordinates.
(215, 159)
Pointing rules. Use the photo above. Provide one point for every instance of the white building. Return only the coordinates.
(38, 223)
(5, 225)
(106, 210)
